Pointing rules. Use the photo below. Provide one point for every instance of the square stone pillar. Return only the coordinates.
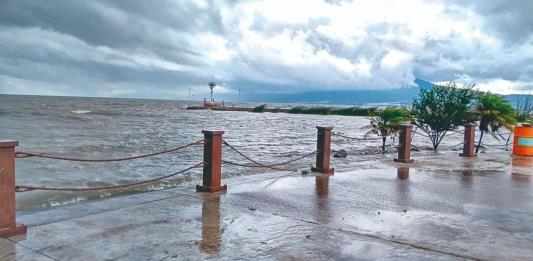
(8, 223)
(323, 147)
(469, 141)
(212, 170)
(404, 150)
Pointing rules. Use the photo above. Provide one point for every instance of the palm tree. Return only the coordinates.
(493, 113)
(386, 122)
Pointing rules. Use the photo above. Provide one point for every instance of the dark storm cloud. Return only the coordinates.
(125, 25)
(122, 23)
(60, 41)
(160, 48)
(511, 20)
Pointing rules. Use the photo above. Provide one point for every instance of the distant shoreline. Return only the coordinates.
(313, 110)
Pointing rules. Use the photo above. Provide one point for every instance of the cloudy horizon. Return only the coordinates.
(162, 49)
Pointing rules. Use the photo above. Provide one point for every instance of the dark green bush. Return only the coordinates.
(443, 108)
(351, 111)
(260, 108)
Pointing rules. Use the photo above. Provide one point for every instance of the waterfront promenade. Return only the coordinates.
(441, 207)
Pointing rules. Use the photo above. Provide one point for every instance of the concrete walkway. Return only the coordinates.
(440, 207)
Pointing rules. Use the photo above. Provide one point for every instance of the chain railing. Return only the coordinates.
(338, 134)
(24, 154)
(258, 164)
(25, 188)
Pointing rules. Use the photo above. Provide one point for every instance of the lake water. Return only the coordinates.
(110, 128)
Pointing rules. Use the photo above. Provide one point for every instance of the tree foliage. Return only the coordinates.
(442, 108)
(493, 112)
(387, 122)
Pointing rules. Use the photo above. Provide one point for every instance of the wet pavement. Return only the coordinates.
(440, 207)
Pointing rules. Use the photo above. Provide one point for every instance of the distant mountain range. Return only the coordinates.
(398, 96)
(353, 97)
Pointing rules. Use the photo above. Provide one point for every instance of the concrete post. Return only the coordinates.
(404, 150)
(323, 146)
(212, 163)
(8, 223)
(469, 140)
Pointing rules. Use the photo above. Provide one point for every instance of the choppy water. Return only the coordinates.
(110, 128)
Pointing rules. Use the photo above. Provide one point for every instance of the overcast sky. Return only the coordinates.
(160, 49)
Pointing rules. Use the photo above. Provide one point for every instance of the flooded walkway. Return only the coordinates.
(441, 207)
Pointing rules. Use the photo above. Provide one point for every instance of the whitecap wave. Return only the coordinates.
(81, 111)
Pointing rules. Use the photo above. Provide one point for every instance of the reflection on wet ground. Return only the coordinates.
(323, 211)
(522, 169)
(521, 177)
(210, 225)
(403, 173)
(322, 186)
(439, 208)
(468, 172)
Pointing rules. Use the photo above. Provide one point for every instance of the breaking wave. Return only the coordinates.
(81, 111)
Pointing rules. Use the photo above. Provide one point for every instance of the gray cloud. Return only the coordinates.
(511, 20)
(142, 49)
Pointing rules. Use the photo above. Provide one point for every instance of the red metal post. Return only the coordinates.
(8, 222)
(404, 150)
(212, 163)
(323, 146)
(469, 140)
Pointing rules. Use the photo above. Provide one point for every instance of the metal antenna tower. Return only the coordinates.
(212, 84)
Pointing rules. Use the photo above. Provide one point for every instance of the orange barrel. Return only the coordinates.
(523, 140)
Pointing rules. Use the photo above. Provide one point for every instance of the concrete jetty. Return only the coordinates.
(442, 207)
(275, 109)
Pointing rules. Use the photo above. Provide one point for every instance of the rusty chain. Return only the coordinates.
(23, 154)
(262, 165)
(255, 166)
(24, 188)
(354, 138)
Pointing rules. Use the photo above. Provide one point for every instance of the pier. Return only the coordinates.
(238, 108)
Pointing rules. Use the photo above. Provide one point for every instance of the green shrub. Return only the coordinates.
(493, 112)
(351, 111)
(387, 122)
(260, 108)
(440, 109)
